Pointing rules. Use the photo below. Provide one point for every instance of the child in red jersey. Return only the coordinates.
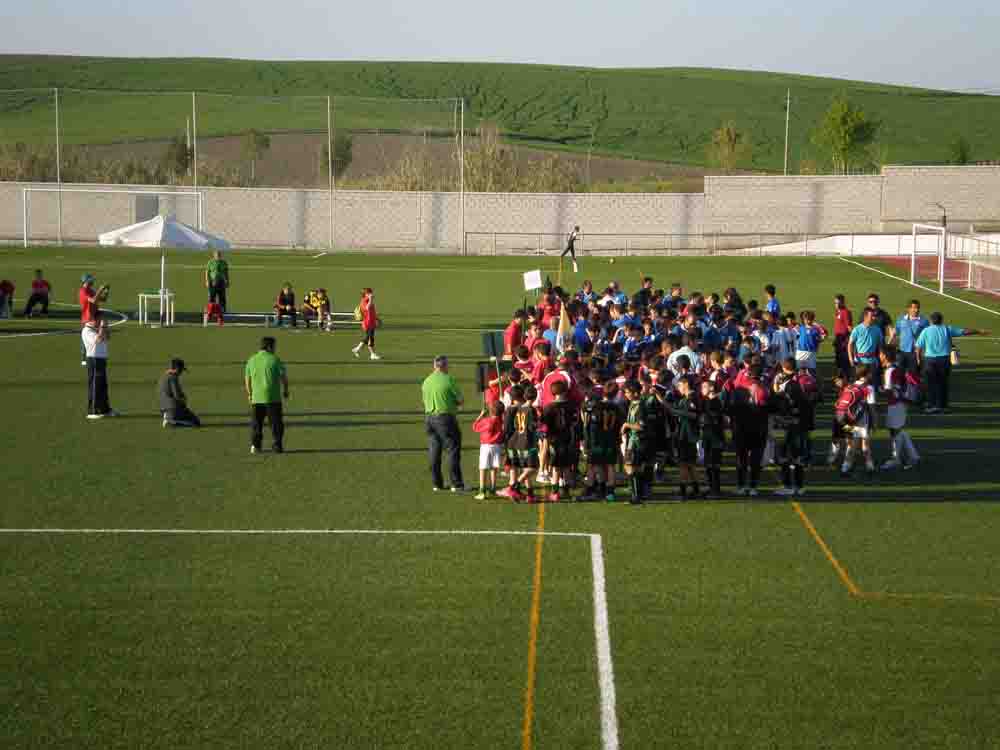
(369, 322)
(842, 327)
(41, 290)
(490, 427)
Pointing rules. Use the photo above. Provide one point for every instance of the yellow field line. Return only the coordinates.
(841, 570)
(536, 607)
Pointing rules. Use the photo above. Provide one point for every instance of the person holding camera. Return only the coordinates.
(90, 299)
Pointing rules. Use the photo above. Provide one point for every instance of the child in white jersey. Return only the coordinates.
(897, 390)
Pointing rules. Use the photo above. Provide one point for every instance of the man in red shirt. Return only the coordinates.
(40, 291)
(513, 335)
(842, 327)
(90, 311)
(7, 298)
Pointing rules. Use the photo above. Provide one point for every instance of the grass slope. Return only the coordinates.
(729, 628)
(663, 114)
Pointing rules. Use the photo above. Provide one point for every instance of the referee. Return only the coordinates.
(442, 399)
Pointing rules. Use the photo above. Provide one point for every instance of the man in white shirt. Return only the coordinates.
(95, 337)
(685, 351)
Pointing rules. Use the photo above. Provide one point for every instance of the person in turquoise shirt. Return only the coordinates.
(904, 335)
(933, 347)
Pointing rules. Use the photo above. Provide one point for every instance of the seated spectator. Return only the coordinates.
(40, 292)
(284, 305)
(6, 298)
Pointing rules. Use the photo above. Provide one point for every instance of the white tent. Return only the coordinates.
(163, 231)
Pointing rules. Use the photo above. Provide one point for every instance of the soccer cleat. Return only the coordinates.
(83, 363)
(553, 497)
(528, 497)
(891, 464)
(458, 488)
(480, 495)
(752, 492)
(435, 488)
(785, 491)
(800, 491)
(576, 268)
(166, 421)
(356, 351)
(507, 491)
(610, 497)
(913, 465)
(95, 416)
(374, 356)
(253, 449)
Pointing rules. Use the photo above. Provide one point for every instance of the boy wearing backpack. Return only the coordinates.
(901, 388)
(853, 412)
(795, 395)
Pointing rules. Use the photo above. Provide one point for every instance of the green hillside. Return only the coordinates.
(664, 114)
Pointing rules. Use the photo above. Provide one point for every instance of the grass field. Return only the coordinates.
(732, 623)
(665, 114)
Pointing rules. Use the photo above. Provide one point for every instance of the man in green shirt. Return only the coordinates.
(217, 279)
(442, 399)
(266, 382)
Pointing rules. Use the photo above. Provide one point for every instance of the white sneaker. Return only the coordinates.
(785, 491)
(166, 422)
(83, 363)
(95, 416)
(891, 464)
(907, 467)
(752, 492)
(253, 448)
(374, 356)
(356, 351)
(576, 268)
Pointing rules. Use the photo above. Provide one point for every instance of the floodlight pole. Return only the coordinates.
(461, 179)
(194, 142)
(788, 114)
(329, 158)
(59, 167)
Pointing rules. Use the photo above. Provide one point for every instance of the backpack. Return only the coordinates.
(850, 404)
(912, 391)
(809, 386)
(358, 315)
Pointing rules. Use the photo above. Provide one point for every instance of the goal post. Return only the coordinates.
(79, 215)
(929, 241)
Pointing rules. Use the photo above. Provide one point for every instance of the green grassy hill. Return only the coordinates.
(665, 114)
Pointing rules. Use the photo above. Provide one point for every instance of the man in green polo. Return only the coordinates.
(217, 279)
(266, 381)
(442, 399)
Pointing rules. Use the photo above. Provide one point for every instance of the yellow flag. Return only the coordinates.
(565, 331)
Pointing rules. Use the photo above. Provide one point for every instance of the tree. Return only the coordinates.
(177, 158)
(343, 153)
(729, 147)
(255, 145)
(960, 152)
(846, 133)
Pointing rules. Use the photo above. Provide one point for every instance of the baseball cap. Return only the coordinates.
(177, 364)
(86, 278)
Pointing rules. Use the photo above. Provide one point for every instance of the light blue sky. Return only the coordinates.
(943, 44)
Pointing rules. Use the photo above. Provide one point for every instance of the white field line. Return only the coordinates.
(271, 268)
(123, 318)
(602, 632)
(318, 256)
(919, 286)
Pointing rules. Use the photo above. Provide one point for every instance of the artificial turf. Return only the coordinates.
(729, 625)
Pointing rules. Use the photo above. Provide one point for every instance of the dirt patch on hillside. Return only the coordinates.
(296, 160)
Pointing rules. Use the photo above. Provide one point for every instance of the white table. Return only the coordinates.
(164, 299)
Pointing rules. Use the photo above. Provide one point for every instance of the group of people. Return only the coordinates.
(601, 384)
(41, 293)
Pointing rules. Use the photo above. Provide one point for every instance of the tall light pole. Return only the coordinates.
(788, 114)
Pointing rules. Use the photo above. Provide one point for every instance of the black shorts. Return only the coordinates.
(518, 459)
(796, 448)
(638, 454)
(563, 455)
(217, 293)
(368, 336)
(602, 454)
(687, 452)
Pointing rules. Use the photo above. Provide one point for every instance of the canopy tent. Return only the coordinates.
(163, 231)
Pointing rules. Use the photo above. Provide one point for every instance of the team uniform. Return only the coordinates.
(795, 400)
(808, 339)
(713, 441)
(218, 282)
(560, 419)
(521, 437)
(40, 291)
(748, 410)
(316, 304)
(900, 387)
(842, 327)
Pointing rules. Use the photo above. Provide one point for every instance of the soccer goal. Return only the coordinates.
(52, 214)
(979, 257)
(927, 254)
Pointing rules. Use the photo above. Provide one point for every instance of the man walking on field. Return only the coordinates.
(442, 399)
(266, 382)
(571, 248)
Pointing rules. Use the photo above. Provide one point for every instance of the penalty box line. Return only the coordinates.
(602, 629)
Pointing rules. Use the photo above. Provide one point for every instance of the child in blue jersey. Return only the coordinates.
(772, 306)
(810, 336)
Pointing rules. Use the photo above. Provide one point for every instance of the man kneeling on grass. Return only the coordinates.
(173, 401)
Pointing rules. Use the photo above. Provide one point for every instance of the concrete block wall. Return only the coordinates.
(970, 195)
(800, 204)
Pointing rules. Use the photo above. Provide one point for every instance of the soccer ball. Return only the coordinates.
(611, 261)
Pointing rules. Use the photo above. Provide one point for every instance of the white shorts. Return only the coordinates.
(491, 456)
(862, 429)
(895, 418)
(805, 360)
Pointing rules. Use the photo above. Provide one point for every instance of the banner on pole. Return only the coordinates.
(532, 280)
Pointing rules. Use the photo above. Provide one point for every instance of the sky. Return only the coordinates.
(951, 45)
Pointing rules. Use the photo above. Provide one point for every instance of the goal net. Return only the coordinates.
(928, 254)
(979, 258)
(53, 215)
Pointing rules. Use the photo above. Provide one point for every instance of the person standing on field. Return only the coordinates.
(95, 337)
(570, 250)
(369, 322)
(934, 348)
(217, 280)
(266, 382)
(90, 308)
(442, 399)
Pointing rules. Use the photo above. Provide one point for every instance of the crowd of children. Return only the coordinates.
(602, 386)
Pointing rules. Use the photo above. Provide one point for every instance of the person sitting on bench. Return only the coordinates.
(316, 305)
(285, 305)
